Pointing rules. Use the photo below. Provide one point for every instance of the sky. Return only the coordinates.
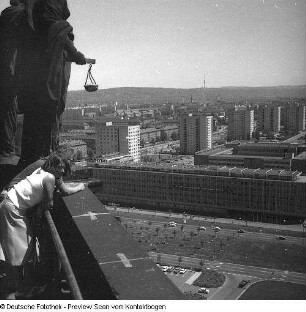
(174, 43)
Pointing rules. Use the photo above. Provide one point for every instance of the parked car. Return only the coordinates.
(240, 231)
(176, 270)
(281, 237)
(170, 269)
(203, 228)
(172, 224)
(164, 268)
(203, 290)
(243, 283)
(216, 229)
(182, 271)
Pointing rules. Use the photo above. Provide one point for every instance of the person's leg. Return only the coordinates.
(14, 243)
(12, 280)
(8, 119)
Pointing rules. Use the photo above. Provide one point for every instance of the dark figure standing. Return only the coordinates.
(11, 20)
(45, 71)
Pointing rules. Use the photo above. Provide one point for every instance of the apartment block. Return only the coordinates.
(294, 117)
(240, 123)
(195, 133)
(269, 118)
(117, 138)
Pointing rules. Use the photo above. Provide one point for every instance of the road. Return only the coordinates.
(179, 216)
(228, 232)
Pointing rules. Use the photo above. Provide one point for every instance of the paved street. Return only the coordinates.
(239, 223)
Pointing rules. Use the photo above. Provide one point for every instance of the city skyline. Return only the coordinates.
(173, 44)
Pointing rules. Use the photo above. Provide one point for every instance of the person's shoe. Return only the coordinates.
(10, 296)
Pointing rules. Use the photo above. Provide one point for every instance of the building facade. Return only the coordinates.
(240, 123)
(269, 118)
(294, 117)
(117, 138)
(195, 133)
(256, 194)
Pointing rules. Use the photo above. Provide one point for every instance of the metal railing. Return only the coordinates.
(74, 287)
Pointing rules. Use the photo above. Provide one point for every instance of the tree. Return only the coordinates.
(191, 234)
(173, 136)
(157, 230)
(163, 136)
(90, 153)
(158, 259)
(201, 263)
(179, 259)
(142, 142)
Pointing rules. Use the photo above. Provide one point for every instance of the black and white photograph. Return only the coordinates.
(152, 155)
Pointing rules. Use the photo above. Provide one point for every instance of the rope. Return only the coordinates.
(90, 76)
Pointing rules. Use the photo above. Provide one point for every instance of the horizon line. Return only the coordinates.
(222, 87)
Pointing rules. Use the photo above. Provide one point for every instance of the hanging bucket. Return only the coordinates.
(92, 86)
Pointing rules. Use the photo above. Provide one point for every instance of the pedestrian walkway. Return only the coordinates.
(193, 278)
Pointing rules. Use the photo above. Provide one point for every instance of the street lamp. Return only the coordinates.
(286, 258)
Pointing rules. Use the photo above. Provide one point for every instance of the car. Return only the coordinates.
(164, 268)
(203, 290)
(170, 269)
(216, 229)
(203, 228)
(240, 231)
(176, 270)
(172, 224)
(281, 237)
(182, 271)
(243, 283)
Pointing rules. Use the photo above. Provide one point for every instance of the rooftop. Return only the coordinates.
(268, 174)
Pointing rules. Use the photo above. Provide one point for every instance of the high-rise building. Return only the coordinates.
(269, 118)
(195, 133)
(129, 140)
(240, 123)
(294, 117)
(117, 138)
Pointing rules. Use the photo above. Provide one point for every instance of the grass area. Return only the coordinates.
(200, 244)
(194, 296)
(210, 279)
(275, 290)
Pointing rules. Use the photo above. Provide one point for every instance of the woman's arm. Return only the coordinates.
(49, 185)
(69, 189)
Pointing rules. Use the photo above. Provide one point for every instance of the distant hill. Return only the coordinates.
(149, 96)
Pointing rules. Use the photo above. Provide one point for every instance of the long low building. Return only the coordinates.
(255, 194)
(264, 155)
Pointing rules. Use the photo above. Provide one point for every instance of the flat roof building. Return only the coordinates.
(117, 138)
(258, 194)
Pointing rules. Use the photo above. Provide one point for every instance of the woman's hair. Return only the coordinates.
(54, 161)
